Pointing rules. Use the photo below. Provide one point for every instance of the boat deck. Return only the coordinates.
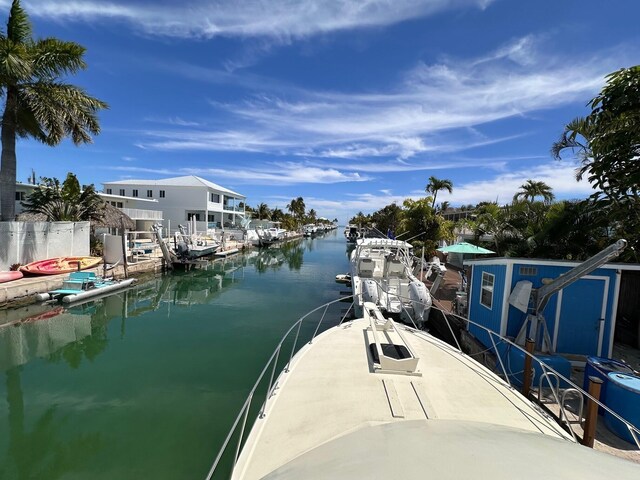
(335, 379)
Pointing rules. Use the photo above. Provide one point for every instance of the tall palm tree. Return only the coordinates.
(531, 189)
(312, 215)
(435, 185)
(37, 103)
(277, 215)
(297, 208)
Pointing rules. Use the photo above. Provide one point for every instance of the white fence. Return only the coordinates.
(25, 242)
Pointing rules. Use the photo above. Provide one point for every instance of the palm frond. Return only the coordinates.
(53, 58)
(18, 25)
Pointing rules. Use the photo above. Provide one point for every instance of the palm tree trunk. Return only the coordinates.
(8, 158)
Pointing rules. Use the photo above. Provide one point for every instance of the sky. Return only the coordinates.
(352, 105)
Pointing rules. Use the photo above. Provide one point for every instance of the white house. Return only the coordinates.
(182, 198)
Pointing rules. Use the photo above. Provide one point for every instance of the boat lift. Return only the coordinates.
(523, 295)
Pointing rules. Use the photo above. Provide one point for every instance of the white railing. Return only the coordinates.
(547, 373)
(141, 214)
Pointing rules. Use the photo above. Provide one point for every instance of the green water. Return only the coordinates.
(146, 383)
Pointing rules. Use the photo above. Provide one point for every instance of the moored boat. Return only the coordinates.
(371, 398)
(10, 276)
(381, 273)
(58, 265)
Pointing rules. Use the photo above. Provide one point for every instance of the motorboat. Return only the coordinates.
(371, 398)
(381, 273)
(352, 233)
(192, 245)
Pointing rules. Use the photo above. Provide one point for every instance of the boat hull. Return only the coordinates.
(10, 276)
(59, 265)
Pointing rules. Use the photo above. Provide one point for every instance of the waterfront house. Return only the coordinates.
(583, 319)
(182, 199)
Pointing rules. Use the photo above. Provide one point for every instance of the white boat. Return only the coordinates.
(374, 399)
(381, 273)
(192, 245)
(352, 233)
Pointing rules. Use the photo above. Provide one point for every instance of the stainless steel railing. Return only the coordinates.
(244, 411)
(504, 373)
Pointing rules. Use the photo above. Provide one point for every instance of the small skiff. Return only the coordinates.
(55, 266)
(8, 276)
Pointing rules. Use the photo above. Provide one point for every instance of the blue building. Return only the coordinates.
(581, 318)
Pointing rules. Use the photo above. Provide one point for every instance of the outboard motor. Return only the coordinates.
(420, 302)
(369, 291)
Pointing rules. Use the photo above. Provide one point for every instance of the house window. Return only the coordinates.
(135, 193)
(193, 215)
(113, 203)
(108, 191)
(19, 196)
(122, 192)
(211, 218)
(486, 293)
(215, 198)
(119, 205)
(528, 271)
(149, 193)
(161, 193)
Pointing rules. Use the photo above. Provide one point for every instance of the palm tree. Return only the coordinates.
(263, 211)
(530, 190)
(312, 215)
(277, 215)
(66, 203)
(435, 185)
(297, 208)
(576, 136)
(37, 103)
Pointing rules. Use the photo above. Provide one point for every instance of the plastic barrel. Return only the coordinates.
(623, 397)
(601, 367)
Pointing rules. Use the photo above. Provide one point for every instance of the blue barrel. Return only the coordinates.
(623, 397)
(601, 367)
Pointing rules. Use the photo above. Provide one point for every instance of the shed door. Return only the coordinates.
(582, 308)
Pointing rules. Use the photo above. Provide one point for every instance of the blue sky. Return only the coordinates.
(352, 105)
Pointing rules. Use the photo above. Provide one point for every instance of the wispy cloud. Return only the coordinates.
(436, 108)
(286, 173)
(281, 19)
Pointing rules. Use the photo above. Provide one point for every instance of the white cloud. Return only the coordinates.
(560, 176)
(281, 19)
(437, 108)
(287, 173)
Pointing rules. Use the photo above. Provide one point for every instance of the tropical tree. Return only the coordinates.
(387, 219)
(297, 208)
(435, 185)
(263, 211)
(277, 215)
(66, 202)
(576, 137)
(531, 189)
(37, 103)
(312, 215)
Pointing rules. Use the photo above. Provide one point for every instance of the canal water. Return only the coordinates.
(146, 383)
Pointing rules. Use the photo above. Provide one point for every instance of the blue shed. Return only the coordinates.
(580, 318)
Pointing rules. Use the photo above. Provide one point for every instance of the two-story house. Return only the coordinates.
(182, 199)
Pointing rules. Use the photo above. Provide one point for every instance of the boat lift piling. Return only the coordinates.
(591, 420)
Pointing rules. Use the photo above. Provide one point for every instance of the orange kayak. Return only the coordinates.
(55, 266)
(8, 276)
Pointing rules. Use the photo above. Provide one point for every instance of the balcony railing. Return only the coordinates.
(141, 214)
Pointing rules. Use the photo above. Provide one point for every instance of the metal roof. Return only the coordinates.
(185, 181)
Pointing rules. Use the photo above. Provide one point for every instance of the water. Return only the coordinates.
(146, 383)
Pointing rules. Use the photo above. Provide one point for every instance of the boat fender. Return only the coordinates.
(43, 297)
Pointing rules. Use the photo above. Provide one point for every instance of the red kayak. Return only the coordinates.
(55, 266)
(8, 276)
